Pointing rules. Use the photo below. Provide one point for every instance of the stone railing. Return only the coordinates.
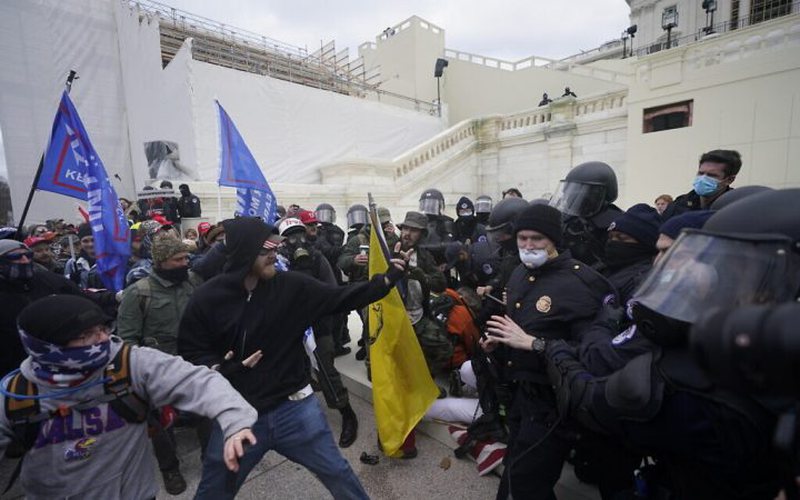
(541, 62)
(444, 145)
(486, 131)
(580, 107)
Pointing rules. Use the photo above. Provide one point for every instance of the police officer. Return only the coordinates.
(501, 236)
(712, 442)
(440, 227)
(550, 296)
(630, 248)
(357, 218)
(586, 197)
(467, 227)
(483, 207)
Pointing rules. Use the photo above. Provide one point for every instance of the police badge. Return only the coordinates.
(543, 304)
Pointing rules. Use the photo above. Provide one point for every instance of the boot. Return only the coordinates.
(173, 481)
(409, 446)
(349, 427)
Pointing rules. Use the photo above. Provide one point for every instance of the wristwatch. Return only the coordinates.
(538, 344)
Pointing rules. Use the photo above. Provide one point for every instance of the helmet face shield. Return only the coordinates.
(483, 205)
(355, 217)
(702, 271)
(430, 206)
(326, 215)
(579, 199)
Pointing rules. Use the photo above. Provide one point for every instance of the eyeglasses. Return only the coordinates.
(94, 334)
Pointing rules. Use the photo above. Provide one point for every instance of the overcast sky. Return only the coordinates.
(504, 29)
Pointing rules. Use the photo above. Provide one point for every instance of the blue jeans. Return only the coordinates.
(298, 431)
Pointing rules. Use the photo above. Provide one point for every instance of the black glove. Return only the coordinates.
(231, 367)
(393, 275)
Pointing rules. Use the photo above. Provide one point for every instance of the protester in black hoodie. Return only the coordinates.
(250, 309)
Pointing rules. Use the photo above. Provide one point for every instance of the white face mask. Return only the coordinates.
(533, 258)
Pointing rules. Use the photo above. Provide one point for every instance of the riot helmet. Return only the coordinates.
(739, 257)
(357, 216)
(431, 202)
(737, 194)
(586, 190)
(325, 213)
(483, 204)
(502, 217)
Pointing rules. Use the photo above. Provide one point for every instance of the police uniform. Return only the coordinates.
(555, 301)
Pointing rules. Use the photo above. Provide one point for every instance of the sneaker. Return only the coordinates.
(173, 481)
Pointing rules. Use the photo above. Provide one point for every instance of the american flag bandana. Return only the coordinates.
(64, 366)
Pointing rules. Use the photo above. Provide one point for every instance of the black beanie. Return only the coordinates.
(84, 230)
(60, 318)
(543, 219)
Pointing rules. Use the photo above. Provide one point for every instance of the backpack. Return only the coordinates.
(451, 312)
(25, 415)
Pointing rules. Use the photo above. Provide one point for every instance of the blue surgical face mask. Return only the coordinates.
(705, 185)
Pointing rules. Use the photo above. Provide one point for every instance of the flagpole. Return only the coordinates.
(70, 78)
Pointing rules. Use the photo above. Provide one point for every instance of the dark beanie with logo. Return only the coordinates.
(542, 219)
(641, 222)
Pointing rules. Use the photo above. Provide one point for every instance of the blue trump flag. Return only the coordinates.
(73, 168)
(238, 168)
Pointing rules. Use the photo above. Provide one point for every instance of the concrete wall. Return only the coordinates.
(746, 91)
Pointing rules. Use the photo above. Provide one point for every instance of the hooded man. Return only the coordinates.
(467, 228)
(251, 308)
(84, 437)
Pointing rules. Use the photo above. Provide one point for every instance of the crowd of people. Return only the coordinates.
(557, 329)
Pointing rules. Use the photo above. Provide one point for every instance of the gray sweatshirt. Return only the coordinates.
(94, 453)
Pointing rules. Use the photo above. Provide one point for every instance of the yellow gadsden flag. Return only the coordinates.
(402, 387)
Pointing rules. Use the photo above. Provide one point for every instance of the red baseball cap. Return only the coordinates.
(203, 228)
(308, 217)
(30, 241)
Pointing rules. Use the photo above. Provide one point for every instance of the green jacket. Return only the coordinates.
(151, 310)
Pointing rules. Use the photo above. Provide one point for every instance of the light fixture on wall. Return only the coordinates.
(710, 6)
(669, 20)
(441, 64)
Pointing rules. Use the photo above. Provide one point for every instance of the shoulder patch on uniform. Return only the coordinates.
(487, 268)
(624, 336)
(543, 304)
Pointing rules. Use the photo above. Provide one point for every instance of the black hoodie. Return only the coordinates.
(223, 316)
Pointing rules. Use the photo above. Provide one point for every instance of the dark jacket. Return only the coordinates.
(558, 300)
(222, 315)
(627, 279)
(688, 202)
(14, 297)
(189, 206)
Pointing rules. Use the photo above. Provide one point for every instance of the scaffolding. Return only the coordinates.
(216, 43)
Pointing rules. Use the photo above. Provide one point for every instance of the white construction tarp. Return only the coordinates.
(126, 100)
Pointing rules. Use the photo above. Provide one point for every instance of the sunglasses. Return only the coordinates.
(18, 255)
